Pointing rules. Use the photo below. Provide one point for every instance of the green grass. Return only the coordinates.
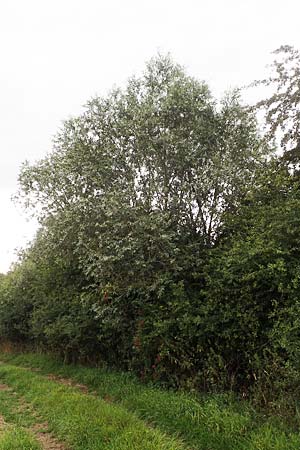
(15, 411)
(84, 421)
(13, 435)
(15, 438)
(18, 416)
(215, 422)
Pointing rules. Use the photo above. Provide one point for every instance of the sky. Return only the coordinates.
(57, 54)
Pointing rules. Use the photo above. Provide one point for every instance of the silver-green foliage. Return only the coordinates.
(141, 179)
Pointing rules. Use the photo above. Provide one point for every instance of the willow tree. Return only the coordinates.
(140, 181)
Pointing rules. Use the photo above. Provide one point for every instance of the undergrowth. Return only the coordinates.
(214, 422)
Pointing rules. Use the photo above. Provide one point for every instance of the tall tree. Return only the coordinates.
(142, 178)
(282, 107)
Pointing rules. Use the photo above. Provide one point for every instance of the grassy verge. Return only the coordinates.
(14, 417)
(83, 421)
(15, 438)
(21, 428)
(14, 410)
(217, 422)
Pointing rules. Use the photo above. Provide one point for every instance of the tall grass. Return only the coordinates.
(211, 422)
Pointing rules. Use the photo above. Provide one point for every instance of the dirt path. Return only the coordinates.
(4, 387)
(45, 438)
(76, 413)
(39, 430)
(2, 423)
(68, 382)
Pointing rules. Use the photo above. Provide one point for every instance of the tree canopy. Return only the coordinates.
(282, 107)
(169, 235)
(141, 180)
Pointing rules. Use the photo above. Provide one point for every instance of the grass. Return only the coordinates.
(84, 421)
(13, 435)
(215, 422)
(15, 438)
(15, 411)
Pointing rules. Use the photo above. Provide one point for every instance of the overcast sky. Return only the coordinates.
(56, 54)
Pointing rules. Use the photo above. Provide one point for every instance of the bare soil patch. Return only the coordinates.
(45, 438)
(68, 382)
(40, 430)
(2, 423)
